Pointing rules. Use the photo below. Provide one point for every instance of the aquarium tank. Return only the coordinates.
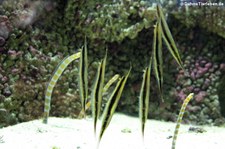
(143, 58)
(148, 59)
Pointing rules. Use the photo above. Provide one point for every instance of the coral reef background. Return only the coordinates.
(36, 35)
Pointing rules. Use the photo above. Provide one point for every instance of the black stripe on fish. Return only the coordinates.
(96, 96)
(157, 58)
(112, 104)
(167, 36)
(144, 98)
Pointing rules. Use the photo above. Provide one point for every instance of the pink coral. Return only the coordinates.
(5, 27)
(208, 65)
(222, 66)
(200, 96)
(181, 95)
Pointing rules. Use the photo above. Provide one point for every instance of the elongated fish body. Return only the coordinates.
(110, 82)
(144, 98)
(97, 92)
(95, 97)
(83, 78)
(58, 72)
(179, 119)
(168, 38)
(157, 56)
(106, 87)
(112, 104)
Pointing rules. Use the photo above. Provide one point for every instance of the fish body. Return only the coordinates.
(168, 38)
(83, 78)
(179, 119)
(58, 72)
(110, 82)
(98, 91)
(106, 87)
(144, 98)
(112, 104)
(157, 56)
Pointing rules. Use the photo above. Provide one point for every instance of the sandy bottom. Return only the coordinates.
(122, 133)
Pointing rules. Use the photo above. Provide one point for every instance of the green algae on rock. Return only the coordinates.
(29, 55)
(211, 18)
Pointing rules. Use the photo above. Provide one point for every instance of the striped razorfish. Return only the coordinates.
(144, 98)
(97, 92)
(157, 56)
(179, 119)
(168, 38)
(106, 87)
(110, 82)
(83, 78)
(112, 104)
(58, 72)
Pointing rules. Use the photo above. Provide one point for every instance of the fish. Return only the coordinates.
(110, 82)
(105, 89)
(167, 37)
(58, 72)
(179, 119)
(112, 104)
(157, 57)
(83, 77)
(98, 91)
(144, 98)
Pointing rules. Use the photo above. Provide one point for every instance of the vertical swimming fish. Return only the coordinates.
(106, 87)
(144, 98)
(168, 38)
(179, 119)
(97, 92)
(157, 56)
(110, 82)
(83, 78)
(112, 104)
(58, 72)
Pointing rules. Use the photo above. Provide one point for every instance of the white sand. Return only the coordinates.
(65, 133)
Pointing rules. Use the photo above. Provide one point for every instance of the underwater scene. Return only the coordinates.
(112, 74)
